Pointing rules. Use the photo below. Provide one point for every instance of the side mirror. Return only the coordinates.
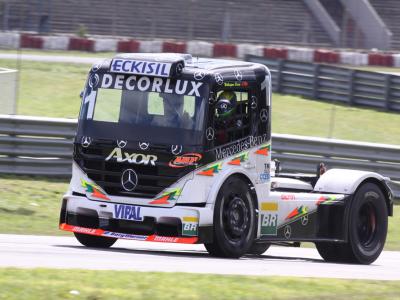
(81, 95)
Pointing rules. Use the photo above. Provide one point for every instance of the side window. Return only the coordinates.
(231, 117)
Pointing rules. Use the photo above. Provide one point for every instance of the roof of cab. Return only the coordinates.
(192, 64)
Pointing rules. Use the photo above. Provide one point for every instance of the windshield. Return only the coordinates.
(174, 107)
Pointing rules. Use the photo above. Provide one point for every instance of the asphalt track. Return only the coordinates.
(24, 251)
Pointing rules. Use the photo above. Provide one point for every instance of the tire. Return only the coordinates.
(95, 241)
(367, 229)
(258, 248)
(234, 220)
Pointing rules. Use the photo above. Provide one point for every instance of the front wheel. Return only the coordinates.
(367, 229)
(258, 248)
(234, 220)
(94, 241)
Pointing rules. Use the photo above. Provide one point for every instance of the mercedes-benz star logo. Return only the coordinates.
(210, 133)
(122, 143)
(176, 149)
(199, 75)
(129, 180)
(179, 68)
(96, 67)
(86, 141)
(304, 220)
(219, 79)
(143, 145)
(287, 232)
(238, 75)
(253, 102)
(264, 115)
(94, 80)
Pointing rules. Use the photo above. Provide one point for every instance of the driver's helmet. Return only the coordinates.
(226, 104)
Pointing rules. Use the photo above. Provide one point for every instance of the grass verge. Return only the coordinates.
(32, 206)
(82, 284)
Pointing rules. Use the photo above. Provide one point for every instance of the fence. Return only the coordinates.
(330, 83)
(43, 146)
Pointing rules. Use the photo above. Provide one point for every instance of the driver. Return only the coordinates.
(224, 115)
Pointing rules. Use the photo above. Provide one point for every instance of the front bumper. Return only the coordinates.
(103, 218)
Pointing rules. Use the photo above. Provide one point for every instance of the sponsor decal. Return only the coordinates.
(236, 161)
(264, 150)
(210, 171)
(171, 195)
(269, 218)
(239, 146)
(264, 177)
(189, 226)
(96, 191)
(236, 84)
(134, 158)
(79, 229)
(148, 238)
(326, 199)
(139, 67)
(297, 212)
(288, 197)
(188, 159)
(125, 235)
(127, 212)
(151, 84)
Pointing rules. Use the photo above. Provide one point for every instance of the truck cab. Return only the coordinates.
(171, 148)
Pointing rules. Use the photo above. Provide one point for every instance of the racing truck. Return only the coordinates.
(177, 149)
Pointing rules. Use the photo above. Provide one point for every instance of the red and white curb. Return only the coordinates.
(12, 40)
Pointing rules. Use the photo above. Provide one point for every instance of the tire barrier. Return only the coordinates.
(224, 50)
(81, 44)
(11, 40)
(31, 41)
(128, 46)
(275, 53)
(174, 47)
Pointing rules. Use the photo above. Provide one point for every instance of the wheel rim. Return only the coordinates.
(366, 226)
(235, 218)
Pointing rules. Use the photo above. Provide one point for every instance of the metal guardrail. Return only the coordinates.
(43, 146)
(331, 83)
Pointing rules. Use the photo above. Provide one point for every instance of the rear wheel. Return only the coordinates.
(367, 229)
(94, 241)
(234, 220)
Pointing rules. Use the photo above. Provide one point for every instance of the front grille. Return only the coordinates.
(107, 174)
